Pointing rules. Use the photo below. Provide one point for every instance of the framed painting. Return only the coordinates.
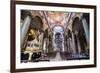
(52, 36)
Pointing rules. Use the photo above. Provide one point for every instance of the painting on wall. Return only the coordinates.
(48, 36)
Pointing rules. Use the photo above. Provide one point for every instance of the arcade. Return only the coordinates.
(54, 36)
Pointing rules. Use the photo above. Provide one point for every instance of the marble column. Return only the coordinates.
(45, 49)
(73, 43)
(68, 45)
(85, 26)
(63, 47)
(78, 44)
(24, 28)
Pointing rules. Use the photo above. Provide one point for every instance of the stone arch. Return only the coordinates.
(37, 23)
(79, 36)
(75, 23)
(75, 31)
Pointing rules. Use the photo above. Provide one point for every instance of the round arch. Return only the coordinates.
(79, 37)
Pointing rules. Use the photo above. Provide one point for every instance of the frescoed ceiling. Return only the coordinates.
(54, 18)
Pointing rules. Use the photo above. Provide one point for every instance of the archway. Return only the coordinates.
(79, 38)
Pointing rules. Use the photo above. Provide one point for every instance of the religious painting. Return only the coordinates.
(52, 36)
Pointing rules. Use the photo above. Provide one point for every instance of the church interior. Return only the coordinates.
(54, 36)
